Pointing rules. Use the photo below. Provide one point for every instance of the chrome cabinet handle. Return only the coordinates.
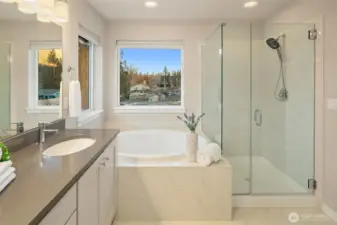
(258, 118)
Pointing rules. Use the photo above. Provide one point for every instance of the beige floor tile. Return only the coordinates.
(259, 216)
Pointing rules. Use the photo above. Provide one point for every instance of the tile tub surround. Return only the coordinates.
(42, 181)
(29, 137)
(174, 191)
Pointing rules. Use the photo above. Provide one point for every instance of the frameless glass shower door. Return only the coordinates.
(258, 93)
(283, 106)
(5, 50)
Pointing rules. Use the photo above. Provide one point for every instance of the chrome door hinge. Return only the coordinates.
(312, 34)
(312, 184)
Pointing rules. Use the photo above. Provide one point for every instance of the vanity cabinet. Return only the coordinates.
(93, 200)
(107, 185)
(97, 190)
(63, 212)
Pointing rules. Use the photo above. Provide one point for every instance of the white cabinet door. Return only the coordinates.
(107, 187)
(63, 210)
(88, 196)
(72, 220)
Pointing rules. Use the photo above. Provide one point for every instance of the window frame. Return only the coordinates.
(33, 61)
(118, 109)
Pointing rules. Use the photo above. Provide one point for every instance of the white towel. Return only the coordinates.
(7, 182)
(75, 99)
(211, 153)
(6, 174)
(4, 166)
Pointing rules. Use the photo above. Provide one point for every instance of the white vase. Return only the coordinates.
(192, 147)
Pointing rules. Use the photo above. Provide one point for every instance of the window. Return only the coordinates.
(150, 75)
(85, 71)
(46, 74)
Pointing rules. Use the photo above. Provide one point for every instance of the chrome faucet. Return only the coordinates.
(19, 127)
(43, 131)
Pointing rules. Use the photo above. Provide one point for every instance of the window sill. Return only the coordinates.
(149, 110)
(88, 116)
(43, 110)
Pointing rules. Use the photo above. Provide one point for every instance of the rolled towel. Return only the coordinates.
(4, 166)
(209, 154)
(6, 174)
(204, 160)
(6, 182)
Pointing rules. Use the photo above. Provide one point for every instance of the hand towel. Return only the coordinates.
(4, 166)
(7, 182)
(6, 174)
(209, 154)
(75, 99)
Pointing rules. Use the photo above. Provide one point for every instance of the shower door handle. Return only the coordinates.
(258, 117)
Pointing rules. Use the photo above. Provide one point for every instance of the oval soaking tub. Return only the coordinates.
(152, 145)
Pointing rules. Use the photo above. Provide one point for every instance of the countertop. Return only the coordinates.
(42, 181)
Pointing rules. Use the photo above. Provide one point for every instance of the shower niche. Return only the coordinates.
(259, 81)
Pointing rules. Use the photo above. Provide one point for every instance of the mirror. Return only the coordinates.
(30, 71)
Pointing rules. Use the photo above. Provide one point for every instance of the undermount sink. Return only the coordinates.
(69, 147)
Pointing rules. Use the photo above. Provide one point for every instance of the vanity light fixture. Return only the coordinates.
(151, 4)
(28, 6)
(8, 1)
(44, 18)
(61, 12)
(250, 4)
(46, 10)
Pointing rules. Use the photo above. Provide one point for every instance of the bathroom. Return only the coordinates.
(269, 107)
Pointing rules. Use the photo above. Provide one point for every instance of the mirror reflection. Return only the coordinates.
(30, 71)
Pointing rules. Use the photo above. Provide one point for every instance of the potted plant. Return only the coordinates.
(192, 138)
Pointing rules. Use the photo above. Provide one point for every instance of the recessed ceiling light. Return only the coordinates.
(250, 4)
(151, 4)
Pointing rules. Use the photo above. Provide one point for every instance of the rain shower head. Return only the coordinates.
(273, 43)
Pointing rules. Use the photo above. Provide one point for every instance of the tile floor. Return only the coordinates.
(260, 216)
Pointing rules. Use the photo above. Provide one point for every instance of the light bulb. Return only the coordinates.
(61, 13)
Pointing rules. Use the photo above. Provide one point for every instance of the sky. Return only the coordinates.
(153, 60)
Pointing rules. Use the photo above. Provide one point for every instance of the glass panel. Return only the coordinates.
(50, 75)
(150, 76)
(283, 109)
(236, 102)
(211, 87)
(5, 86)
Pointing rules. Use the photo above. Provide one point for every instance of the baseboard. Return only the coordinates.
(329, 212)
(274, 201)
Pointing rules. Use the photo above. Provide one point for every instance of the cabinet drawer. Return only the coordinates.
(63, 210)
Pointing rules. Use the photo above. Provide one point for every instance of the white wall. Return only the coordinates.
(192, 37)
(82, 14)
(311, 11)
(20, 34)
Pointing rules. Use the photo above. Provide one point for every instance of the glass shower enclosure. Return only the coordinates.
(5, 50)
(259, 101)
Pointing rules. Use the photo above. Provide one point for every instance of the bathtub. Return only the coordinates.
(138, 146)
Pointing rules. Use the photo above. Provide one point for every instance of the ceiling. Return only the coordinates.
(187, 9)
(9, 11)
